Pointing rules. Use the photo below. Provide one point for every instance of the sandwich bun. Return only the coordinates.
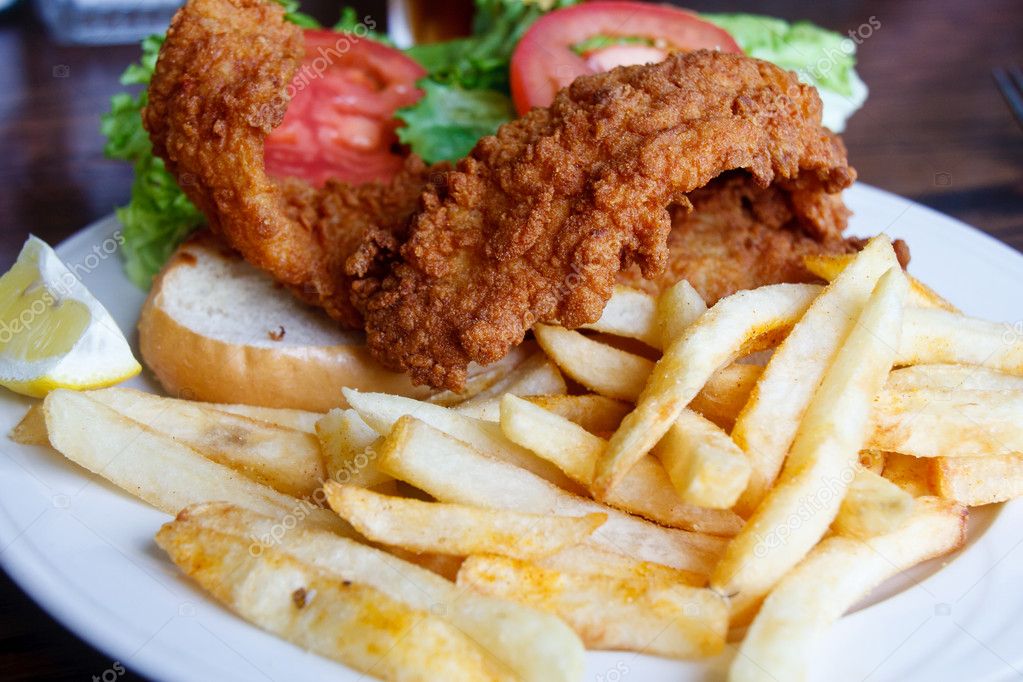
(216, 329)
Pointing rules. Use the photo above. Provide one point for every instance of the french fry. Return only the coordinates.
(157, 469)
(381, 411)
(912, 474)
(936, 422)
(480, 379)
(284, 459)
(975, 481)
(604, 369)
(31, 430)
(713, 341)
(593, 412)
(932, 336)
(704, 464)
(872, 460)
(767, 425)
(830, 580)
(455, 528)
(516, 641)
(653, 617)
(588, 560)
(300, 420)
(536, 376)
(678, 306)
(821, 461)
(349, 449)
(872, 506)
(629, 313)
(352, 623)
(452, 471)
(645, 490)
(726, 393)
(952, 378)
(829, 266)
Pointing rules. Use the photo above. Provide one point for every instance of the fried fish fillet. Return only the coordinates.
(445, 266)
(535, 225)
(219, 88)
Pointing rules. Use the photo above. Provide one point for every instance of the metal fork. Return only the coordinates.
(1010, 83)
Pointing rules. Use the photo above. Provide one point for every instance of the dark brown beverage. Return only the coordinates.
(423, 21)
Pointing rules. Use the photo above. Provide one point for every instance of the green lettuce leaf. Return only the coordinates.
(823, 57)
(467, 86)
(159, 215)
(448, 121)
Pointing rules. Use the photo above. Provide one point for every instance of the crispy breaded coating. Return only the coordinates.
(741, 236)
(448, 266)
(219, 88)
(535, 225)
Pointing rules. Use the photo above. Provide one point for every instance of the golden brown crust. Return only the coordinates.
(220, 86)
(741, 236)
(534, 226)
(537, 222)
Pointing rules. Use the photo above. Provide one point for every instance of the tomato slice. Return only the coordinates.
(545, 60)
(340, 122)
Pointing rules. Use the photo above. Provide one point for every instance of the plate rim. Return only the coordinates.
(49, 589)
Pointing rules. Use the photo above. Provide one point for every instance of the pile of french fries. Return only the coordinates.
(765, 462)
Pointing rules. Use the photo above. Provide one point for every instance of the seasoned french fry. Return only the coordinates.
(726, 393)
(714, 340)
(829, 266)
(629, 313)
(284, 459)
(678, 306)
(593, 412)
(606, 370)
(381, 411)
(912, 474)
(352, 623)
(873, 506)
(704, 464)
(872, 460)
(156, 468)
(932, 336)
(952, 378)
(536, 376)
(588, 560)
(349, 449)
(516, 641)
(452, 471)
(456, 528)
(833, 577)
(654, 617)
(300, 420)
(31, 430)
(482, 378)
(645, 490)
(823, 455)
(936, 422)
(975, 481)
(767, 425)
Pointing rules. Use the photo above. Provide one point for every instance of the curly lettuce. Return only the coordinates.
(822, 58)
(159, 215)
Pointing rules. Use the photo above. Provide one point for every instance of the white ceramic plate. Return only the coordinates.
(84, 550)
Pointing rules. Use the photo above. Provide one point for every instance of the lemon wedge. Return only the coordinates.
(53, 332)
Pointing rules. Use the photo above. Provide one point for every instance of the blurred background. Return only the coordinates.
(935, 129)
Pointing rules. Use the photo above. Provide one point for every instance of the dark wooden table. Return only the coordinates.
(934, 130)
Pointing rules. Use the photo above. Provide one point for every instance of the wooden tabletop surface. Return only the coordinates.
(934, 129)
